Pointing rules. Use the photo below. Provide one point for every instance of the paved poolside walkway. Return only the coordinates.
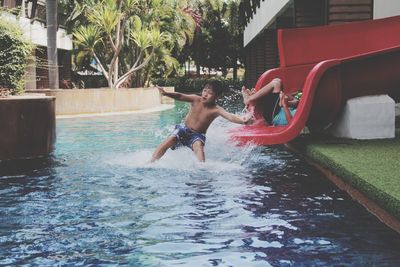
(371, 167)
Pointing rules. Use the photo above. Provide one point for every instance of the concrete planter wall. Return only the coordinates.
(27, 126)
(87, 101)
(27, 123)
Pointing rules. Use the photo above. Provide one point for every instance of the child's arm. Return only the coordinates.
(288, 115)
(233, 118)
(177, 96)
(293, 102)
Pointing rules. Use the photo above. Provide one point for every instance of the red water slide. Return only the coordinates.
(330, 64)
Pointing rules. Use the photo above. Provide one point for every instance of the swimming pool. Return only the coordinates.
(96, 201)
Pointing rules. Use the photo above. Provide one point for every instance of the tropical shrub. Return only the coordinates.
(128, 39)
(14, 52)
(218, 44)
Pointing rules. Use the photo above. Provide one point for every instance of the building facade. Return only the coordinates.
(262, 18)
(31, 16)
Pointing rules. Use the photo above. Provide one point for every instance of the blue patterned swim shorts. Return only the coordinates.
(186, 137)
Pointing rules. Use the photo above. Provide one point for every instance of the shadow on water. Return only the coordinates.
(313, 222)
(28, 175)
(27, 166)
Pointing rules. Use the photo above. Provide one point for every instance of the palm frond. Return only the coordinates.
(87, 36)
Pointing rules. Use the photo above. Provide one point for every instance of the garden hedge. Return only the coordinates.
(14, 52)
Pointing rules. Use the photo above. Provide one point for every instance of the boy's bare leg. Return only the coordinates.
(281, 98)
(274, 86)
(198, 149)
(163, 147)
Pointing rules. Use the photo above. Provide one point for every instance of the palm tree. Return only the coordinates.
(179, 22)
(131, 38)
(112, 28)
(236, 32)
(218, 43)
(51, 20)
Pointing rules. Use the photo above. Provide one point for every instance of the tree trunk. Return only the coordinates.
(51, 20)
(235, 71)
(197, 70)
(116, 71)
(146, 76)
(139, 74)
(184, 66)
(224, 72)
(189, 67)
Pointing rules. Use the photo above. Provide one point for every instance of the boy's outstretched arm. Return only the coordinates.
(233, 118)
(177, 96)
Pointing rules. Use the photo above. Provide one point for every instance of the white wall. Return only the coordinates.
(30, 76)
(38, 33)
(264, 17)
(386, 8)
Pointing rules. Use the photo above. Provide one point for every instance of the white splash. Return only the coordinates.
(221, 154)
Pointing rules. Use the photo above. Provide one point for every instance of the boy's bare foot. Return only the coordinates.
(248, 119)
(246, 95)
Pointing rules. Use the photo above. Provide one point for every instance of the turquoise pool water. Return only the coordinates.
(95, 201)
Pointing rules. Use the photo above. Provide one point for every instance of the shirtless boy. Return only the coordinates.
(192, 132)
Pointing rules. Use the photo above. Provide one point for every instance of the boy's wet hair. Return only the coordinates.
(216, 86)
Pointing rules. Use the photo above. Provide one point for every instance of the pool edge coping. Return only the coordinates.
(159, 108)
(361, 197)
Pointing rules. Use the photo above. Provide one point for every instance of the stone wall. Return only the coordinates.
(88, 101)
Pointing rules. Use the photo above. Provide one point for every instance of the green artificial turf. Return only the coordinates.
(371, 166)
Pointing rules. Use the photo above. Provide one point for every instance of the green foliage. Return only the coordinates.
(86, 37)
(14, 52)
(183, 84)
(129, 39)
(105, 15)
(168, 32)
(219, 42)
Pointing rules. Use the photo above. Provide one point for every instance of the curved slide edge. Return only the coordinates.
(327, 86)
(262, 134)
